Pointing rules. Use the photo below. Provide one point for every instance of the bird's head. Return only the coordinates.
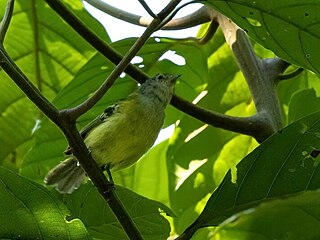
(160, 87)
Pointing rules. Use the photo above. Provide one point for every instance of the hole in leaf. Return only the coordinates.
(315, 153)
(173, 57)
(254, 22)
(136, 60)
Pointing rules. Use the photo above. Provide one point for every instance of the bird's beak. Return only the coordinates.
(175, 77)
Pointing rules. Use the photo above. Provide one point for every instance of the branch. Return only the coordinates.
(21, 80)
(136, 73)
(93, 39)
(256, 126)
(202, 40)
(146, 7)
(6, 20)
(76, 142)
(291, 75)
(196, 18)
(105, 188)
(261, 78)
(76, 112)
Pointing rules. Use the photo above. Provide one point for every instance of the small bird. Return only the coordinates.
(120, 135)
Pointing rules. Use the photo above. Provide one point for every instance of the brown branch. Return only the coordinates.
(209, 117)
(148, 10)
(74, 139)
(256, 126)
(202, 40)
(196, 18)
(77, 111)
(260, 76)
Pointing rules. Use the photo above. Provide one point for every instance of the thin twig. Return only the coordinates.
(146, 7)
(196, 18)
(135, 72)
(77, 111)
(291, 75)
(173, 13)
(94, 40)
(74, 139)
(21, 80)
(6, 20)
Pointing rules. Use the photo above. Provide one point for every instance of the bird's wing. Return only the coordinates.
(94, 123)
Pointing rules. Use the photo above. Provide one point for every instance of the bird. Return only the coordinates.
(119, 136)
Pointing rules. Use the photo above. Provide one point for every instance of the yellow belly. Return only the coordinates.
(123, 138)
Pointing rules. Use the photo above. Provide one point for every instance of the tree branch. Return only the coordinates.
(256, 126)
(140, 76)
(94, 40)
(76, 142)
(6, 20)
(90, 102)
(77, 111)
(261, 78)
(291, 75)
(148, 10)
(196, 18)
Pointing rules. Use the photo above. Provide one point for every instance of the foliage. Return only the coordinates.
(202, 176)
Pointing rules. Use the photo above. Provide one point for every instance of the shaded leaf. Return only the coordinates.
(29, 211)
(88, 205)
(273, 22)
(283, 164)
(303, 103)
(297, 217)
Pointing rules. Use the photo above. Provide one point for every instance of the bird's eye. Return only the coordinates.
(160, 77)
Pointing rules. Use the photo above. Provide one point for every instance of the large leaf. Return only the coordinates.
(29, 211)
(273, 22)
(303, 103)
(286, 163)
(88, 205)
(297, 217)
(49, 53)
(195, 148)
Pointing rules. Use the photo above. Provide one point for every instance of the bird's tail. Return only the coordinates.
(66, 176)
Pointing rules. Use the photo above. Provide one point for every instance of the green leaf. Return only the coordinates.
(297, 217)
(284, 164)
(195, 146)
(88, 205)
(273, 22)
(303, 103)
(29, 211)
(50, 53)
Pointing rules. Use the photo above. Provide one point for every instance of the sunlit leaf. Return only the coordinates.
(50, 53)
